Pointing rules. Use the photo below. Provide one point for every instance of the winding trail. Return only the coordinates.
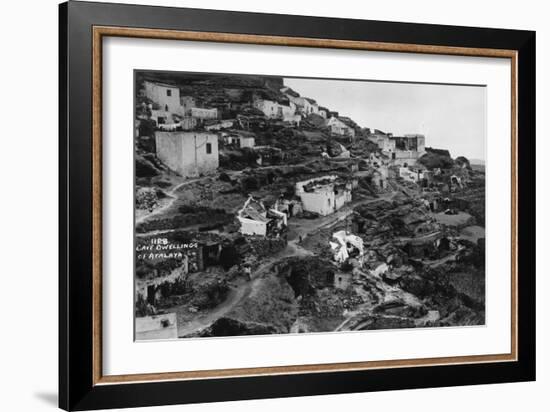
(203, 320)
(167, 205)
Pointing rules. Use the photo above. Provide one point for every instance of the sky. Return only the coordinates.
(451, 117)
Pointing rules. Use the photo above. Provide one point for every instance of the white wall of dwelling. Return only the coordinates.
(246, 141)
(292, 118)
(281, 215)
(163, 115)
(310, 108)
(420, 141)
(275, 110)
(289, 207)
(303, 105)
(338, 127)
(187, 102)
(186, 153)
(168, 98)
(252, 227)
(188, 123)
(230, 139)
(320, 201)
(203, 113)
(384, 143)
(405, 157)
(323, 200)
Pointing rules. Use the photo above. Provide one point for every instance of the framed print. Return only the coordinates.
(257, 205)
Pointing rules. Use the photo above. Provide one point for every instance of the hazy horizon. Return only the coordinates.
(451, 117)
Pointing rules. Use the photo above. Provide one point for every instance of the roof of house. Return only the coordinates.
(253, 209)
(310, 100)
(250, 213)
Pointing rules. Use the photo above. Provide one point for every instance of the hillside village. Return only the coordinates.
(261, 211)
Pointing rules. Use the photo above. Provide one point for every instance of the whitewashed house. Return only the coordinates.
(408, 149)
(385, 143)
(188, 153)
(323, 195)
(162, 117)
(255, 219)
(340, 127)
(240, 139)
(246, 141)
(310, 106)
(204, 113)
(304, 105)
(275, 110)
(187, 103)
(167, 96)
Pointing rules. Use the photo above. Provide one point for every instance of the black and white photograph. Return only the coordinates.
(280, 205)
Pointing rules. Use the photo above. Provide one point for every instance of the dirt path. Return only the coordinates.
(205, 319)
(172, 198)
(236, 295)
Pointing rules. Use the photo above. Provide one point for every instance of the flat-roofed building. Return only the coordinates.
(188, 153)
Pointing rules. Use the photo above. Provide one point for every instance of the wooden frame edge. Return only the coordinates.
(97, 229)
(98, 32)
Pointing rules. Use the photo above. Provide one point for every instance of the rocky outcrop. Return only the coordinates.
(436, 158)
